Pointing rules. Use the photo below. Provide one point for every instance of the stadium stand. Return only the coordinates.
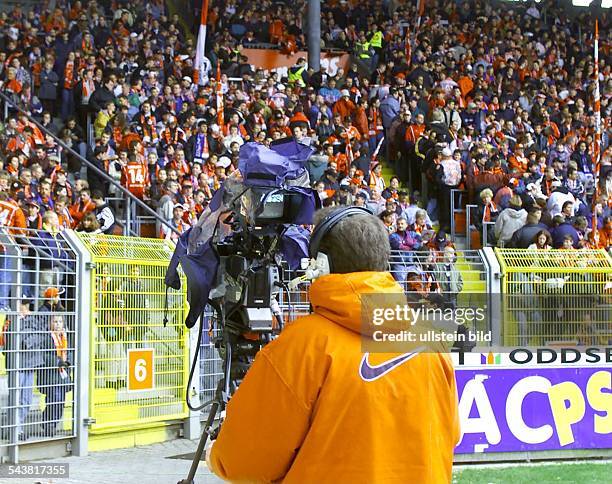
(467, 125)
(461, 125)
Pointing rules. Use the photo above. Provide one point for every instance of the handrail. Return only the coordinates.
(455, 210)
(90, 165)
(485, 233)
(24, 239)
(468, 225)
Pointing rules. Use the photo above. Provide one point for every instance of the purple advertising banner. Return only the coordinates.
(534, 408)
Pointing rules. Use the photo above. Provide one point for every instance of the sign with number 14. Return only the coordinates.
(140, 369)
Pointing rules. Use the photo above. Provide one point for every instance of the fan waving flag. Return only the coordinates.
(597, 105)
(220, 105)
(421, 7)
(202, 64)
(597, 137)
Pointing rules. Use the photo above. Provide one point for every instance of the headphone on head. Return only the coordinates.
(327, 224)
(319, 264)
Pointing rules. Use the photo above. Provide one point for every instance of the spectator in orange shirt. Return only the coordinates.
(360, 121)
(63, 214)
(344, 107)
(83, 206)
(13, 218)
(518, 160)
(415, 129)
(603, 239)
(135, 178)
(12, 85)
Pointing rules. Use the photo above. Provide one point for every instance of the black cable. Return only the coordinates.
(197, 351)
(195, 361)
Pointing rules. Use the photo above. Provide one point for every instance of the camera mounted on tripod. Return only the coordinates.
(232, 256)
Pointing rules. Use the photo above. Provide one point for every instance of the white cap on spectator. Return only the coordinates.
(345, 92)
(446, 152)
(187, 78)
(556, 183)
(182, 207)
(345, 182)
(280, 87)
(224, 162)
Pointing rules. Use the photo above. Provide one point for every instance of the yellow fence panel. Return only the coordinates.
(556, 297)
(139, 366)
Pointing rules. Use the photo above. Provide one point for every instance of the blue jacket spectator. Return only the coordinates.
(561, 231)
(389, 108)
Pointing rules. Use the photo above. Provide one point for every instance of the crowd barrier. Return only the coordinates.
(473, 291)
(556, 297)
(138, 366)
(128, 371)
(38, 350)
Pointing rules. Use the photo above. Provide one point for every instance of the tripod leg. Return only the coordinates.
(202, 445)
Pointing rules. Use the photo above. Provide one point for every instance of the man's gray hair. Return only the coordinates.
(357, 243)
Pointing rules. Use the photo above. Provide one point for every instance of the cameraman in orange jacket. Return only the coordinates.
(315, 408)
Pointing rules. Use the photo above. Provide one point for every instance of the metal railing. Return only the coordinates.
(128, 197)
(462, 284)
(456, 209)
(468, 225)
(556, 297)
(139, 363)
(487, 239)
(39, 293)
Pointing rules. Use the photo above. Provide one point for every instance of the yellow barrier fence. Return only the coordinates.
(556, 297)
(139, 367)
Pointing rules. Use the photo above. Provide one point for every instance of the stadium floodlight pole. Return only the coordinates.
(314, 34)
(597, 137)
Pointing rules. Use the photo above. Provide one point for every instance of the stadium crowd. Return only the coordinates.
(493, 100)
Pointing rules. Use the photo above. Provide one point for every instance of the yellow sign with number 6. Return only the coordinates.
(140, 369)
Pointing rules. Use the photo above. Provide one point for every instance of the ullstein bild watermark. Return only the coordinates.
(400, 323)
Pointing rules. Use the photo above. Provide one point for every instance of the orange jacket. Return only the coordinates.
(304, 414)
(414, 132)
(519, 162)
(345, 108)
(78, 210)
(361, 123)
(276, 31)
(604, 239)
(12, 216)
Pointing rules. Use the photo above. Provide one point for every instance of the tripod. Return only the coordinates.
(218, 405)
(236, 319)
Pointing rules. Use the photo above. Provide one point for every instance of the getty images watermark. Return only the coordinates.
(436, 323)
